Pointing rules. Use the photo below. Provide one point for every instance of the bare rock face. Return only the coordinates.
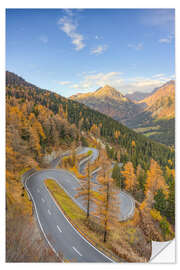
(162, 102)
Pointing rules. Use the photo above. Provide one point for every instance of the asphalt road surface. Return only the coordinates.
(127, 204)
(60, 234)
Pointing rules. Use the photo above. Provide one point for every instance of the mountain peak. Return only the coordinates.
(102, 94)
(107, 86)
(108, 91)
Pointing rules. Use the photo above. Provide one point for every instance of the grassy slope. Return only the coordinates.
(76, 216)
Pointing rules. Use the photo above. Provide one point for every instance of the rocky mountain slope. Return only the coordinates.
(137, 96)
(152, 116)
(162, 102)
(111, 102)
(157, 121)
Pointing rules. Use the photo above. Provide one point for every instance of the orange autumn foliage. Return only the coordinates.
(155, 179)
(130, 176)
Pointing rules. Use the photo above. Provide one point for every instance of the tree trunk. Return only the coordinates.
(88, 205)
(105, 236)
(107, 206)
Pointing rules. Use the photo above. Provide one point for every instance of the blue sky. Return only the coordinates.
(78, 50)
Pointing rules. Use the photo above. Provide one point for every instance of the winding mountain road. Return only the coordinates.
(58, 231)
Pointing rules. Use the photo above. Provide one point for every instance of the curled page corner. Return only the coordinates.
(163, 252)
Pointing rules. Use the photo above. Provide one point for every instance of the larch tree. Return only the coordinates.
(129, 176)
(85, 191)
(118, 156)
(146, 205)
(116, 134)
(35, 142)
(107, 204)
(95, 130)
(154, 182)
(38, 127)
(133, 145)
(155, 179)
(36, 134)
(106, 201)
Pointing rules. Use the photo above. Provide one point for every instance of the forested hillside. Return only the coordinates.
(32, 133)
(40, 122)
(108, 128)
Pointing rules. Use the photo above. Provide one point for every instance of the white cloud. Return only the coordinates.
(137, 47)
(76, 86)
(165, 40)
(144, 84)
(160, 75)
(91, 82)
(44, 39)
(98, 37)
(86, 73)
(64, 82)
(99, 50)
(97, 80)
(69, 26)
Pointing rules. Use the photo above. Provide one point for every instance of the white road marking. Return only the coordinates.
(74, 228)
(49, 212)
(77, 251)
(38, 190)
(29, 192)
(43, 200)
(37, 173)
(59, 228)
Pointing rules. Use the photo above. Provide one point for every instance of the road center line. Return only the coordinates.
(77, 251)
(59, 228)
(49, 212)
